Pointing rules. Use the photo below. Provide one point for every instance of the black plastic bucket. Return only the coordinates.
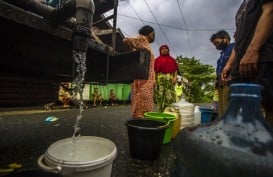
(145, 138)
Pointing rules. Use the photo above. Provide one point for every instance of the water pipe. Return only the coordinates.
(82, 9)
(84, 17)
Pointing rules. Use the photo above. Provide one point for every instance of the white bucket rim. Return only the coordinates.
(81, 164)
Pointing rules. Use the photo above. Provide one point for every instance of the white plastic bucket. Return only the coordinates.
(86, 156)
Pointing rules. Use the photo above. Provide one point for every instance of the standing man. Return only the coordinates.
(142, 90)
(251, 60)
(221, 40)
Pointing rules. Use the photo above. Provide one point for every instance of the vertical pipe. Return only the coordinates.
(84, 17)
(85, 10)
(107, 65)
(114, 25)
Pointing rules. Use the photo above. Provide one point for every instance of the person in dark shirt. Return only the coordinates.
(251, 60)
(221, 40)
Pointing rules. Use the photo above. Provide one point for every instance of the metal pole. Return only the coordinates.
(114, 25)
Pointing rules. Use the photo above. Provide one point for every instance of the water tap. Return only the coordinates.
(81, 36)
(84, 16)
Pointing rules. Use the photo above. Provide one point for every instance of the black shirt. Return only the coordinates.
(246, 20)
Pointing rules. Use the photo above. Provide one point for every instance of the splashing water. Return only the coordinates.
(78, 84)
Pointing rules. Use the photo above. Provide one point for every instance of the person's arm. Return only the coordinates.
(128, 43)
(264, 29)
(225, 75)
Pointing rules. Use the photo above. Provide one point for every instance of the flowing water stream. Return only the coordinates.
(78, 85)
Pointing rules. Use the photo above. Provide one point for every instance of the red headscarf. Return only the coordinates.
(165, 63)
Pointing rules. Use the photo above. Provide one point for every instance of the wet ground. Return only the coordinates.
(25, 135)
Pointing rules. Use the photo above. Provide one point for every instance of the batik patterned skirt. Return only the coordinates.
(165, 90)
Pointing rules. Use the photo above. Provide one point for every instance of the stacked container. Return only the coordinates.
(186, 111)
(177, 121)
(164, 117)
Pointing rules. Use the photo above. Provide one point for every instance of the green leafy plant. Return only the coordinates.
(199, 85)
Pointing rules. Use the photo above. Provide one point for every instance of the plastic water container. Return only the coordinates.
(206, 115)
(186, 111)
(80, 157)
(239, 144)
(197, 116)
(168, 118)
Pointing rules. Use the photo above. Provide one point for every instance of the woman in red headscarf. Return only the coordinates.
(166, 70)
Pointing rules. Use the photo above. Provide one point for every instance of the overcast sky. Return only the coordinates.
(184, 25)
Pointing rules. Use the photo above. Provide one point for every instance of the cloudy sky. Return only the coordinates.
(184, 25)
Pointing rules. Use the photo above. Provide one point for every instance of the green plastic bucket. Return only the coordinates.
(168, 118)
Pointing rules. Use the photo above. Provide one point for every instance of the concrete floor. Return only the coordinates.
(25, 135)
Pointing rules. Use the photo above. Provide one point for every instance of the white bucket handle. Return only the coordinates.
(46, 168)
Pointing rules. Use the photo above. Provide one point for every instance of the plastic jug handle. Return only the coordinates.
(56, 169)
